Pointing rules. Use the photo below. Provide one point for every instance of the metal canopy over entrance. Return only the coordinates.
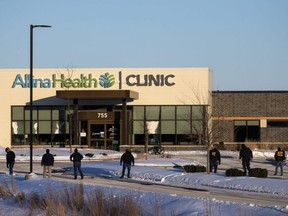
(101, 126)
(98, 94)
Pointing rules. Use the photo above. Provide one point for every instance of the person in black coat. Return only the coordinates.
(279, 158)
(10, 159)
(215, 159)
(246, 155)
(76, 157)
(47, 162)
(127, 159)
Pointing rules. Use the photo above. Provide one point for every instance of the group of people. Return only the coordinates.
(246, 156)
(127, 160)
(47, 162)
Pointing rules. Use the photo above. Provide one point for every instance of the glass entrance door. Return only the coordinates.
(104, 135)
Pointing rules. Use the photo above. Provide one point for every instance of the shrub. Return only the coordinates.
(89, 155)
(258, 172)
(234, 172)
(194, 168)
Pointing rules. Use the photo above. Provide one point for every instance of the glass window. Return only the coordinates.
(58, 127)
(197, 112)
(167, 127)
(27, 114)
(183, 127)
(138, 127)
(44, 114)
(17, 113)
(153, 112)
(184, 139)
(18, 127)
(44, 127)
(246, 131)
(253, 123)
(183, 112)
(58, 114)
(277, 123)
(168, 139)
(167, 112)
(69, 114)
(34, 127)
(240, 123)
(67, 127)
(152, 127)
(138, 112)
(197, 127)
(139, 139)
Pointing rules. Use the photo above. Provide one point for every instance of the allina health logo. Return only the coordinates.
(107, 80)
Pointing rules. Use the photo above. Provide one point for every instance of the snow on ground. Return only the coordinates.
(153, 170)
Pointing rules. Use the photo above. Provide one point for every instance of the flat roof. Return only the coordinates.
(97, 94)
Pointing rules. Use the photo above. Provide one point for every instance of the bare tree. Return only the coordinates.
(210, 131)
(70, 71)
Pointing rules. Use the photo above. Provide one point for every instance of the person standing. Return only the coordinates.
(127, 159)
(10, 160)
(76, 157)
(47, 162)
(246, 155)
(279, 158)
(215, 159)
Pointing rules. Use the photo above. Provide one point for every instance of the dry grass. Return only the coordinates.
(74, 201)
(7, 190)
(4, 190)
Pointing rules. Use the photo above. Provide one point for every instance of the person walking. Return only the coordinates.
(47, 162)
(76, 158)
(279, 158)
(127, 159)
(246, 155)
(10, 160)
(215, 159)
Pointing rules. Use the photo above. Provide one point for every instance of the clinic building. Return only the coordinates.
(105, 108)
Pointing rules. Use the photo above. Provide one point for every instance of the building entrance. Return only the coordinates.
(103, 135)
(100, 129)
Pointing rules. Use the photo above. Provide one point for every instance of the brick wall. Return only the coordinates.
(258, 104)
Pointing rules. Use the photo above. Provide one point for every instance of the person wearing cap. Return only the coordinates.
(215, 159)
(279, 157)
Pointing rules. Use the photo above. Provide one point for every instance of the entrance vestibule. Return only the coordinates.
(100, 128)
(103, 135)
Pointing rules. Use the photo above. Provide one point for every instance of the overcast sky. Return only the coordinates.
(244, 42)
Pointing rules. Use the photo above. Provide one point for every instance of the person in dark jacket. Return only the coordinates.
(47, 162)
(10, 159)
(246, 155)
(127, 159)
(215, 159)
(76, 157)
(279, 158)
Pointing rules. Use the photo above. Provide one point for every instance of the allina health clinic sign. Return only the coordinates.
(106, 80)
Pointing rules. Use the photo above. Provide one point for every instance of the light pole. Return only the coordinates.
(31, 91)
